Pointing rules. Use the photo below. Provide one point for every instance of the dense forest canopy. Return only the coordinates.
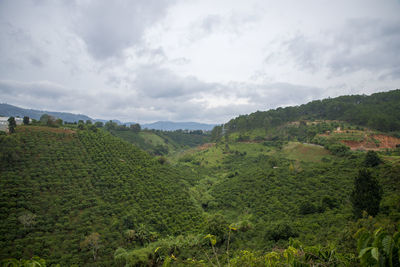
(378, 111)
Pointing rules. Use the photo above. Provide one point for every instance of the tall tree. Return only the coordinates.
(366, 195)
(11, 124)
(372, 159)
(26, 120)
(92, 242)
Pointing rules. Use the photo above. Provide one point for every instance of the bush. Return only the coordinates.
(338, 149)
(309, 208)
(372, 159)
(281, 231)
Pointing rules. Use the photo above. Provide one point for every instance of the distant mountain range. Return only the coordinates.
(7, 110)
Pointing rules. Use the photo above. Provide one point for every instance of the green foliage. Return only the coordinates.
(84, 196)
(372, 159)
(366, 195)
(377, 111)
(78, 183)
(308, 207)
(110, 125)
(26, 120)
(135, 127)
(217, 226)
(217, 133)
(48, 120)
(338, 149)
(378, 248)
(33, 262)
(294, 255)
(99, 124)
(11, 125)
(281, 231)
(159, 142)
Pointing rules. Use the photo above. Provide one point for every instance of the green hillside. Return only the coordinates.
(303, 185)
(272, 189)
(158, 142)
(378, 111)
(77, 183)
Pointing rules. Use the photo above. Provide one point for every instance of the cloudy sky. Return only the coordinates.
(193, 60)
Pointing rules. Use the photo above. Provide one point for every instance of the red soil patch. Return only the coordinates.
(382, 142)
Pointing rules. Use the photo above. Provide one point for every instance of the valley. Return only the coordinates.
(274, 188)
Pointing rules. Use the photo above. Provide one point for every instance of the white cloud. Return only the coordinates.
(198, 60)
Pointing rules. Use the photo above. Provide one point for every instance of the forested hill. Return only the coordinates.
(379, 111)
(61, 190)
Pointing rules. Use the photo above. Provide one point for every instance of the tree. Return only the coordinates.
(11, 124)
(366, 195)
(135, 127)
(92, 242)
(216, 133)
(48, 120)
(217, 226)
(98, 124)
(372, 159)
(26, 120)
(110, 125)
(142, 234)
(27, 219)
(81, 126)
(93, 128)
(59, 122)
(130, 235)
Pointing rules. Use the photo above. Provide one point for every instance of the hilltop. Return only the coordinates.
(378, 111)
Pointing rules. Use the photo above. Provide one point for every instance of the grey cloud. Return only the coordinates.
(108, 28)
(233, 23)
(43, 95)
(37, 89)
(149, 105)
(35, 61)
(180, 61)
(156, 82)
(305, 52)
(362, 44)
(210, 22)
(152, 55)
(272, 95)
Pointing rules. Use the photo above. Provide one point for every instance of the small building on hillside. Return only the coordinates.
(4, 123)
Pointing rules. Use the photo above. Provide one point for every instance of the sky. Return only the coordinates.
(193, 60)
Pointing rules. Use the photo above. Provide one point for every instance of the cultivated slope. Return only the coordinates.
(78, 183)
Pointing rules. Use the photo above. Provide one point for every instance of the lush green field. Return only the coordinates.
(162, 142)
(78, 183)
(275, 188)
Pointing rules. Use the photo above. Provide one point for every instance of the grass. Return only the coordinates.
(304, 152)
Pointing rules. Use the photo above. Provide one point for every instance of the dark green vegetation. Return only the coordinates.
(282, 191)
(60, 186)
(161, 143)
(378, 111)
